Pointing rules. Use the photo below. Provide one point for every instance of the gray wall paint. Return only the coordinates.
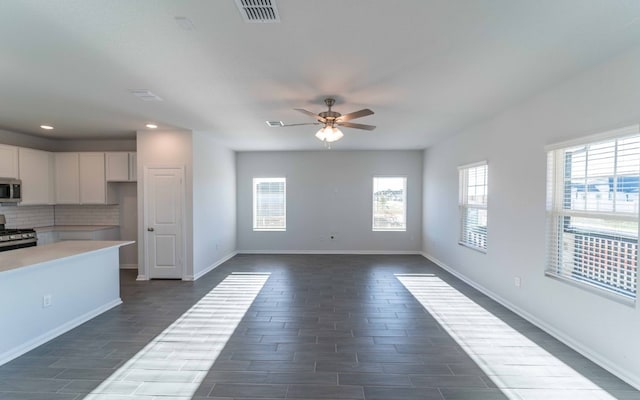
(128, 202)
(214, 202)
(329, 193)
(513, 142)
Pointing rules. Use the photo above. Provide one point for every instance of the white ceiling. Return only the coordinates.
(428, 68)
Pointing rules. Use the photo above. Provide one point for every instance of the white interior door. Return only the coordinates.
(164, 229)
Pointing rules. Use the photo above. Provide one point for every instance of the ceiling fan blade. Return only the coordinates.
(357, 126)
(312, 115)
(355, 114)
(306, 123)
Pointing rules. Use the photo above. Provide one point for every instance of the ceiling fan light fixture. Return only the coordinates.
(329, 134)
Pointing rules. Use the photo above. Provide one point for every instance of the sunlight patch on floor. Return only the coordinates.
(520, 368)
(172, 366)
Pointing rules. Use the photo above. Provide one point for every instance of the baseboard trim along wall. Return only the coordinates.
(128, 266)
(597, 358)
(211, 267)
(363, 252)
(45, 337)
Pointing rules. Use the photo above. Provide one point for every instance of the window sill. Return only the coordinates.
(617, 297)
(468, 246)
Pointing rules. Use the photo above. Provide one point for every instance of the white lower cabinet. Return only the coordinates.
(47, 237)
(59, 233)
(84, 234)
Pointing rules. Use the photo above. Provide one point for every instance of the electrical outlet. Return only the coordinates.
(46, 301)
(517, 281)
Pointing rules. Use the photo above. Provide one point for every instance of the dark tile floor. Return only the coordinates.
(307, 327)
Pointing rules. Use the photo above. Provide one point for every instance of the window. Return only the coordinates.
(389, 203)
(592, 212)
(473, 205)
(269, 204)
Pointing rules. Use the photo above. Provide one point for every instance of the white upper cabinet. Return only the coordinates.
(67, 179)
(8, 161)
(37, 173)
(93, 183)
(81, 179)
(121, 167)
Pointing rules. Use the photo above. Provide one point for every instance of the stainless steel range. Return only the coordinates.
(11, 239)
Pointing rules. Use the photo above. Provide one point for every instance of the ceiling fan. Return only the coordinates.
(331, 120)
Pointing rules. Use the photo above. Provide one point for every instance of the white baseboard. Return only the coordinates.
(128, 266)
(142, 277)
(213, 266)
(364, 252)
(597, 358)
(53, 333)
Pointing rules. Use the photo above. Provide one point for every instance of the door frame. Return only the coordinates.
(183, 215)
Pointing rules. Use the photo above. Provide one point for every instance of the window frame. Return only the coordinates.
(464, 206)
(255, 182)
(404, 204)
(556, 208)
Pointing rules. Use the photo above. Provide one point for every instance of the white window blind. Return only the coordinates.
(269, 204)
(473, 205)
(592, 213)
(390, 203)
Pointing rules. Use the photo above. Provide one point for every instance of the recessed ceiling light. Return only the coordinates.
(151, 126)
(46, 127)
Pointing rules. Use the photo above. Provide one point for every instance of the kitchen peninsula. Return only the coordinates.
(48, 290)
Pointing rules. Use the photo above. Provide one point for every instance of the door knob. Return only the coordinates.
(150, 229)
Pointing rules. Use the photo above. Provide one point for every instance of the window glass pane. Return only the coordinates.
(473, 227)
(389, 203)
(593, 234)
(269, 201)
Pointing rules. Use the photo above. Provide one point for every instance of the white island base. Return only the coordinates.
(48, 290)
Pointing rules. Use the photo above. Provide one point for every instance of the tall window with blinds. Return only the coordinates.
(592, 212)
(473, 205)
(269, 204)
(390, 203)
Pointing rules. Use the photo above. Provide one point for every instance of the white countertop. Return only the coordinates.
(29, 256)
(83, 228)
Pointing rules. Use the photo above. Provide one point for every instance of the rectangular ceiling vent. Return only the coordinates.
(258, 11)
(273, 124)
(145, 95)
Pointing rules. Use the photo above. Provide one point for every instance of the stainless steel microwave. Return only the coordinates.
(10, 190)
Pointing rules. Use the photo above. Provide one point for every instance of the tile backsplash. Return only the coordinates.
(36, 216)
(28, 216)
(87, 215)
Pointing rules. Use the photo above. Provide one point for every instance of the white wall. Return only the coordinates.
(329, 193)
(600, 99)
(165, 149)
(214, 203)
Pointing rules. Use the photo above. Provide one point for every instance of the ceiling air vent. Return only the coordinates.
(273, 124)
(145, 95)
(258, 11)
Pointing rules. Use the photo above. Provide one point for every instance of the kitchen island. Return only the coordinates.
(48, 290)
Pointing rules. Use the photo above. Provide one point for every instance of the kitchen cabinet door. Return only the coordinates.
(121, 167)
(117, 167)
(37, 176)
(133, 167)
(67, 180)
(8, 161)
(93, 184)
